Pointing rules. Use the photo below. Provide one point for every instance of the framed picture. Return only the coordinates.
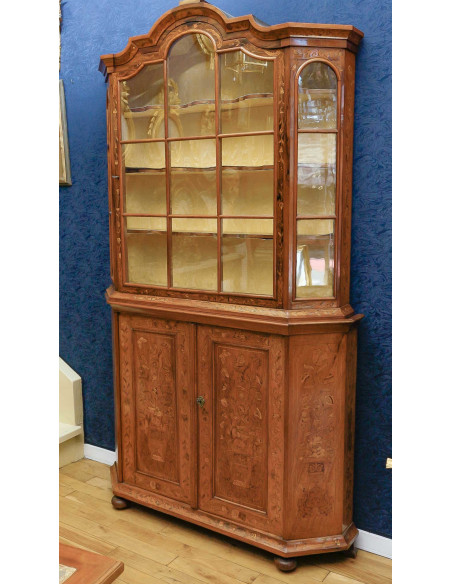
(65, 169)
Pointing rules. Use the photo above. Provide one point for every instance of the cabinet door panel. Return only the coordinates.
(157, 396)
(241, 426)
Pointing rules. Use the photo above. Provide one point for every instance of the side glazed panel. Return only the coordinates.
(315, 435)
(157, 396)
(241, 426)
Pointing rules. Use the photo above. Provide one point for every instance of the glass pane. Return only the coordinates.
(243, 76)
(145, 193)
(316, 189)
(193, 154)
(317, 149)
(194, 192)
(248, 151)
(246, 93)
(194, 226)
(147, 155)
(146, 258)
(146, 224)
(248, 226)
(247, 192)
(191, 86)
(195, 254)
(317, 97)
(142, 104)
(247, 264)
(315, 258)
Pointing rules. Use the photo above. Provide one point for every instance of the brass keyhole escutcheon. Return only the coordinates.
(200, 401)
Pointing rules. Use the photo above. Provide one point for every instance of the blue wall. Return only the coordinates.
(90, 29)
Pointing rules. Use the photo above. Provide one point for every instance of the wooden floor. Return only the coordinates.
(158, 549)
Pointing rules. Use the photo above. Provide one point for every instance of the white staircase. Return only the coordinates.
(71, 415)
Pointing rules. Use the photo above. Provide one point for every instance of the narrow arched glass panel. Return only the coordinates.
(317, 97)
(191, 86)
(316, 181)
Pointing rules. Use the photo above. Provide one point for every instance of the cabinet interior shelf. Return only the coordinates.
(201, 106)
(201, 170)
(201, 233)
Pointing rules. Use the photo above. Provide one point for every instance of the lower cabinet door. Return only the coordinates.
(157, 405)
(241, 426)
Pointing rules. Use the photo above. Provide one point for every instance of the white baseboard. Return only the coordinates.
(369, 542)
(376, 544)
(100, 454)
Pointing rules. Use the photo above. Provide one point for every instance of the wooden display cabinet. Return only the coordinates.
(230, 184)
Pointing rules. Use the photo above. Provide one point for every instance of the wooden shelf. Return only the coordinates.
(261, 100)
(202, 170)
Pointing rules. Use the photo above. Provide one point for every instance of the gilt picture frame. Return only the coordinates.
(64, 163)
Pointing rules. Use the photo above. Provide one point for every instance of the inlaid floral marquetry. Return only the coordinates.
(230, 184)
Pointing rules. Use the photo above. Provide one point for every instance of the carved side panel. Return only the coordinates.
(316, 435)
(241, 426)
(157, 406)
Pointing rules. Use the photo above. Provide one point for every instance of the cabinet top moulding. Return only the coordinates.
(275, 36)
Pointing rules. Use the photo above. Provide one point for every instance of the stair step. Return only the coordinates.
(68, 431)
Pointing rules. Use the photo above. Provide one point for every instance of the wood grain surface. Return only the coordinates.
(157, 549)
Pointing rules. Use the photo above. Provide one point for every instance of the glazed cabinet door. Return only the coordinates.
(241, 426)
(157, 406)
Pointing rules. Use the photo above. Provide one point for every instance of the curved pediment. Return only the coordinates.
(343, 36)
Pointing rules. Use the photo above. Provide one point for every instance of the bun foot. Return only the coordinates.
(119, 503)
(285, 564)
(351, 552)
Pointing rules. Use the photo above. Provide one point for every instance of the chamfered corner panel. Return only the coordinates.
(315, 435)
(157, 417)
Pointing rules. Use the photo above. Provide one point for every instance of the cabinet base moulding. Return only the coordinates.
(265, 541)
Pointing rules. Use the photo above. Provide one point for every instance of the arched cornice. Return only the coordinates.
(277, 34)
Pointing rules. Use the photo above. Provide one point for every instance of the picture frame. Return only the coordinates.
(64, 162)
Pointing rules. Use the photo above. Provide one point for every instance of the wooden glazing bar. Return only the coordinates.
(318, 131)
(143, 215)
(169, 246)
(308, 217)
(218, 172)
(244, 134)
(142, 141)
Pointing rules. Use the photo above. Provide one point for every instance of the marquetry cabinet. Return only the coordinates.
(230, 185)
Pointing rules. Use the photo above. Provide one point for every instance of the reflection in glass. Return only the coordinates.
(144, 155)
(146, 258)
(315, 258)
(316, 189)
(248, 151)
(247, 265)
(246, 93)
(317, 149)
(194, 193)
(141, 99)
(191, 86)
(194, 251)
(193, 154)
(190, 225)
(317, 97)
(248, 226)
(146, 223)
(247, 192)
(145, 193)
